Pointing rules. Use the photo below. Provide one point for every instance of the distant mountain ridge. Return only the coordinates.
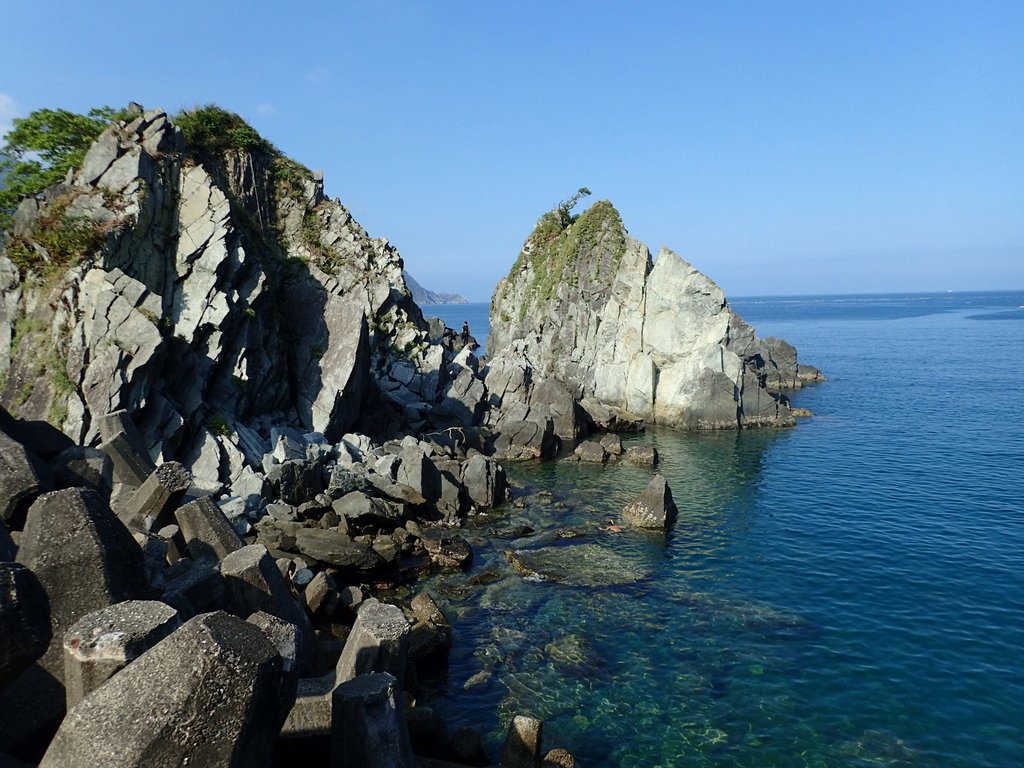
(422, 296)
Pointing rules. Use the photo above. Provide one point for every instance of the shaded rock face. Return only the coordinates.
(216, 292)
(205, 695)
(585, 305)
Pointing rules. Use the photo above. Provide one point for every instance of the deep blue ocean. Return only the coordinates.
(849, 592)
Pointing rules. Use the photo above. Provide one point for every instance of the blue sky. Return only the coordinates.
(783, 147)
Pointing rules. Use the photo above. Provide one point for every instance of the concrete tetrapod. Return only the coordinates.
(207, 695)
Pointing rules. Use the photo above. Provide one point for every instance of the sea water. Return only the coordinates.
(849, 592)
(473, 313)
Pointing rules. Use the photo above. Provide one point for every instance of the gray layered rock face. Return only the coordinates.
(215, 292)
(206, 695)
(586, 306)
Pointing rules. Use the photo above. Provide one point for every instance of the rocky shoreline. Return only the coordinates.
(101, 574)
(226, 428)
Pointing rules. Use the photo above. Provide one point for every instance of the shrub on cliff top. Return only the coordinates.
(211, 130)
(41, 148)
(555, 248)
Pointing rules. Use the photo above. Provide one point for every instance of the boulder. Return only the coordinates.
(519, 440)
(612, 443)
(207, 533)
(645, 455)
(551, 399)
(448, 551)
(606, 418)
(209, 694)
(296, 481)
(431, 633)
(655, 507)
(583, 565)
(337, 549)
(320, 595)
(485, 481)
(591, 452)
(463, 403)
(361, 511)
(558, 758)
(344, 480)
(418, 472)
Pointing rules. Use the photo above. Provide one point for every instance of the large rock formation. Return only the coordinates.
(585, 307)
(424, 296)
(210, 289)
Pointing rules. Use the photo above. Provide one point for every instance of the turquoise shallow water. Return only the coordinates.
(848, 592)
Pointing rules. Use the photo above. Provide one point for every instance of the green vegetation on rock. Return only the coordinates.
(41, 148)
(585, 248)
(210, 130)
(66, 238)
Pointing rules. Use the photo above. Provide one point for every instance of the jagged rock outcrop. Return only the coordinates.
(211, 291)
(423, 296)
(587, 308)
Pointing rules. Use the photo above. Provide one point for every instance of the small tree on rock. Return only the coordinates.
(564, 209)
(41, 148)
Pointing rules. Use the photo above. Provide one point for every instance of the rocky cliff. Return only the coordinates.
(423, 296)
(586, 316)
(211, 289)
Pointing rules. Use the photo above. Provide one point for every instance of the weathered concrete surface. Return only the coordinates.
(285, 637)
(24, 620)
(367, 727)
(378, 642)
(152, 505)
(104, 642)
(523, 743)
(208, 695)
(253, 583)
(207, 532)
(19, 481)
(84, 558)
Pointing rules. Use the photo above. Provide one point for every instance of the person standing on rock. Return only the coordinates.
(465, 332)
